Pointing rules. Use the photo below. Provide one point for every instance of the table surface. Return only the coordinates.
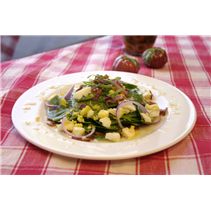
(188, 68)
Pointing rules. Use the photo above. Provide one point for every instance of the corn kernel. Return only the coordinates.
(69, 125)
(154, 110)
(103, 113)
(96, 107)
(78, 125)
(90, 114)
(95, 117)
(106, 122)
(146, 117)
(112, 111)
(111, 92)
(113, 136)
(78, 131)
(128, 132)
(85, 110)
(63, 102)
(80, 118)
(83, 92)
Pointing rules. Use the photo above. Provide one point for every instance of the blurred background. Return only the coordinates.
(15, 47)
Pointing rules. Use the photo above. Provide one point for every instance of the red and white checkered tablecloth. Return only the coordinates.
(189, 69)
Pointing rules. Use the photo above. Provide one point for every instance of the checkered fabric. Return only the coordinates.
(188, 68)
(8, 45)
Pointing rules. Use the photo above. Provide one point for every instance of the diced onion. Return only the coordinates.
(53, 107)
(69, 94)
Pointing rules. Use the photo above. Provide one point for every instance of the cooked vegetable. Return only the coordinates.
(125, 63)
(155, 57)
(103, 108)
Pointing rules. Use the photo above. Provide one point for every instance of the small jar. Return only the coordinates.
(136, 45)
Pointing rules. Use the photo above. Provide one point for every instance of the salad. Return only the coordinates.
(103, 108)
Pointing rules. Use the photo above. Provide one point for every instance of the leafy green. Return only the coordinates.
(55, 100)
(136, 96)
(89, 83)
(116, 92)
(132, 118)
(129, 86)
(100, 137)
(100, 127)
(56, 115)
(88, 97)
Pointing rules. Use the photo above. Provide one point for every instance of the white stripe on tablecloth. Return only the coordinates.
(98, 55)
(182, 155)
(59, 64)
(45, 166)
(195, 76)
(87, 64)
(197, 153)
(14, 72)
(58, 162)
(127, 166)
(56, 171)
(184, 166)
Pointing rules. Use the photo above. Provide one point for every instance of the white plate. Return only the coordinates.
(173, 128)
